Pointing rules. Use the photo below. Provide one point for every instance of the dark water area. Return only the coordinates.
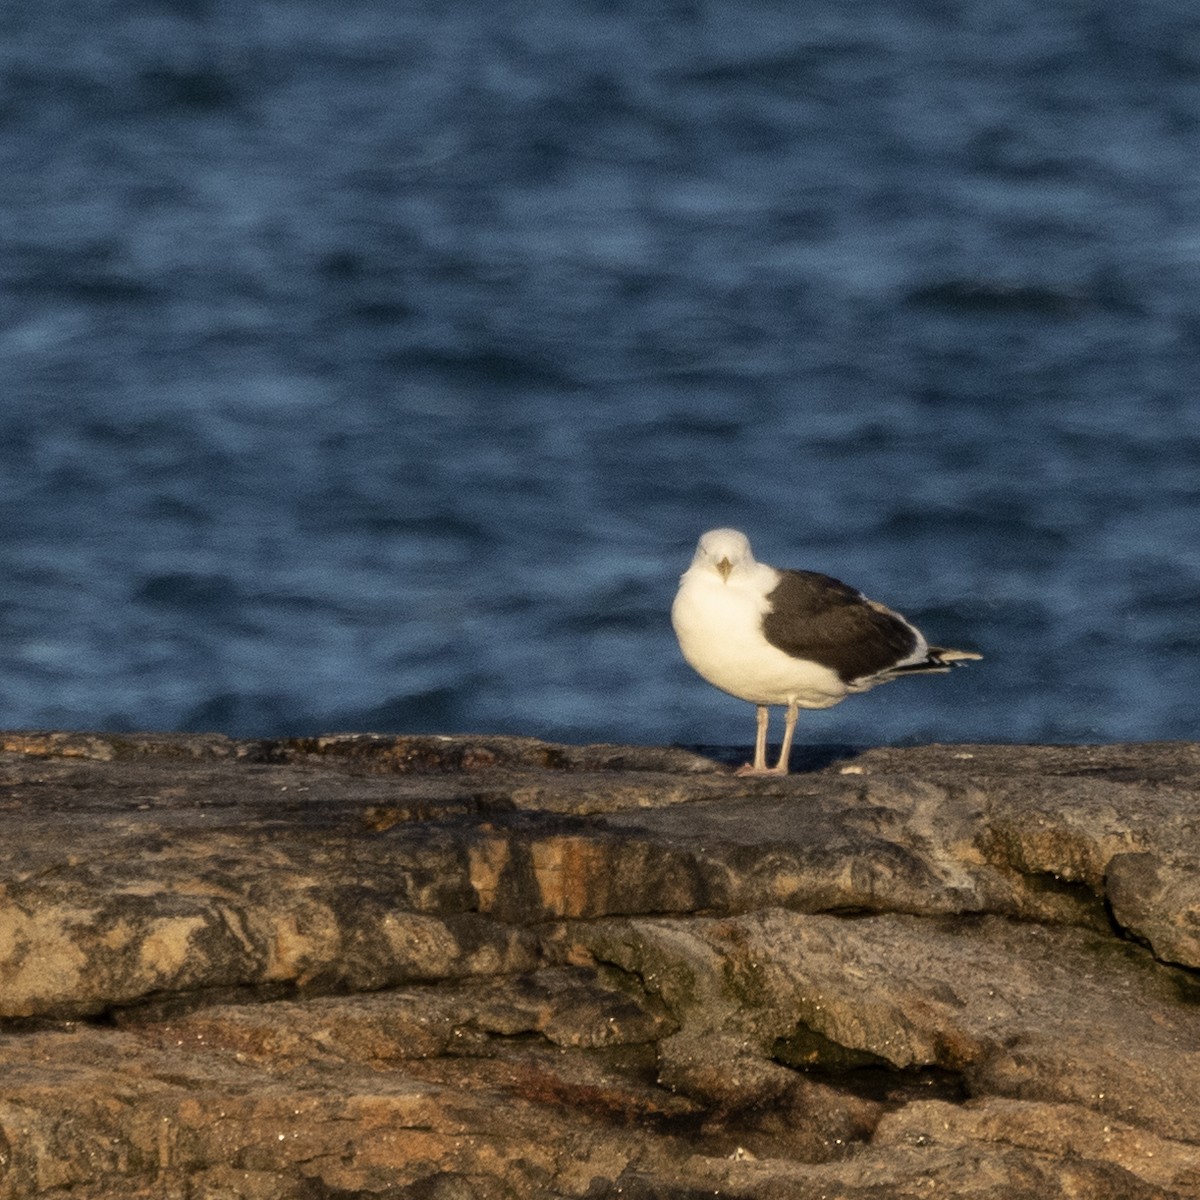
(376, 366)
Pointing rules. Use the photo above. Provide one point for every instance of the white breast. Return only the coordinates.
(719, 627)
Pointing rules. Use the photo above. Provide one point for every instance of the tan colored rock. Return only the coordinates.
(1015, 1009)
(1155, 895)
(477, 968)
(1057, 1131)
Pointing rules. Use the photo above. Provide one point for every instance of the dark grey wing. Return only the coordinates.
(819, 618)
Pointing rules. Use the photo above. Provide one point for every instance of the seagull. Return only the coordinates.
(794, 638)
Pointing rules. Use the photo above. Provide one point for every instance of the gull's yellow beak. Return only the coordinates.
(724, 567)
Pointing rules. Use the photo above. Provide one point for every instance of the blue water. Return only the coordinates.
(376, 366)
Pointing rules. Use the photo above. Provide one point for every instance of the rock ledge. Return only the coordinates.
(488, 967)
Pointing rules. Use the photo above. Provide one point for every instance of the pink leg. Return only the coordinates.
(759, 766)
(785, 751)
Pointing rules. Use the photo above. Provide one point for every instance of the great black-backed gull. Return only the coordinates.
(795, 638)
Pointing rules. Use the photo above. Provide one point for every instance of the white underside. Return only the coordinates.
(719, 627)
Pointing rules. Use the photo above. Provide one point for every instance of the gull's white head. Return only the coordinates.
(723, 551)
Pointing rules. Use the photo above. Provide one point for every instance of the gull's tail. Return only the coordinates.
(939, 659)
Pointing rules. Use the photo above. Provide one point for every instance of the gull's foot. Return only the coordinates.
(751, 769)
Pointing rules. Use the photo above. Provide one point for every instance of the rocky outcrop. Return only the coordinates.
(453, 968)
